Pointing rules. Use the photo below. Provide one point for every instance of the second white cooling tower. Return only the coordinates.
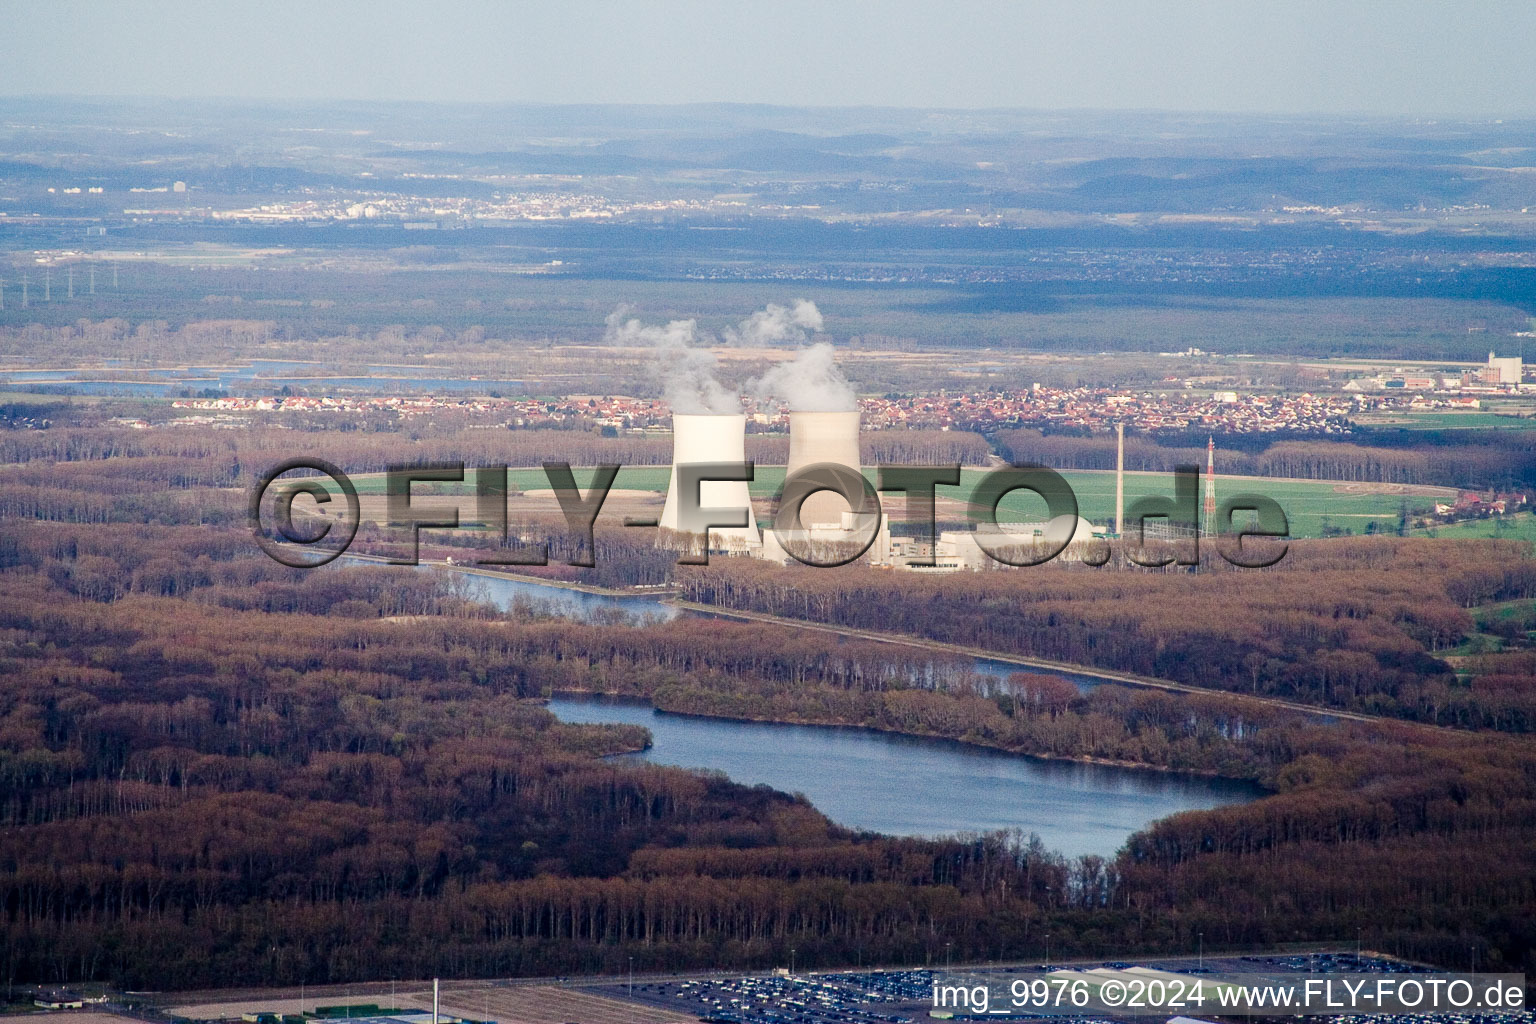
(710, 437)
(823, 437)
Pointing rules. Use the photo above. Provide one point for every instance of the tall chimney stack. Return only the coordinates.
(1210, 483)
(1120, 479)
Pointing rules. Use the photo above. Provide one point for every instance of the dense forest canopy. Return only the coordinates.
(1348, 624)
(219, 770)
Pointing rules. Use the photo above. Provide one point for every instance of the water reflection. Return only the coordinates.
(508, 594)
(905, 785)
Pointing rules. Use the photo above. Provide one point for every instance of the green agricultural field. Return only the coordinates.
(47, 398)
(1449, 421)
(1309, 505)
(630, 478)
(1521, 526)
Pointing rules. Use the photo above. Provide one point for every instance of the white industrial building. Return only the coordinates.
(961, 550)
(1504, 369)
(825, 541)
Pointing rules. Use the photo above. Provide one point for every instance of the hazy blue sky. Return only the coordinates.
(1333, 56)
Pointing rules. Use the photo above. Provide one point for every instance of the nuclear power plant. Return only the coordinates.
(828, 524)
(826, 518)
(712, 437)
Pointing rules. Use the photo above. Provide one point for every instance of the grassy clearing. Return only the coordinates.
(1504, 610)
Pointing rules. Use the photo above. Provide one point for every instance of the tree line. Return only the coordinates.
(237, 456)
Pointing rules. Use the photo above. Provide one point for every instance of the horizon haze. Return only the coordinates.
(1302, 57)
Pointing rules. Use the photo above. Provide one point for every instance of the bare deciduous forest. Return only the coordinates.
(219, 770)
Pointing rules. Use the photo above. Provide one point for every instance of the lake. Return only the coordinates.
(911, 786)
(566, 602)
(259, 376)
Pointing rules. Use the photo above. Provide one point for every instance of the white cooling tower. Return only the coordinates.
(711, 437)
(823, 437)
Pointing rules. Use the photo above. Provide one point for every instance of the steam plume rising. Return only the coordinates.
(810, 382)
(777, 325)
(685, 369)
(686, 373)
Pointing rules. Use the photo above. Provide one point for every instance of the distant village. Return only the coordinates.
(1081, 410)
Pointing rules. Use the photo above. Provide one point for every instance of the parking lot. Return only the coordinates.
(906, 996)
(868, 997)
